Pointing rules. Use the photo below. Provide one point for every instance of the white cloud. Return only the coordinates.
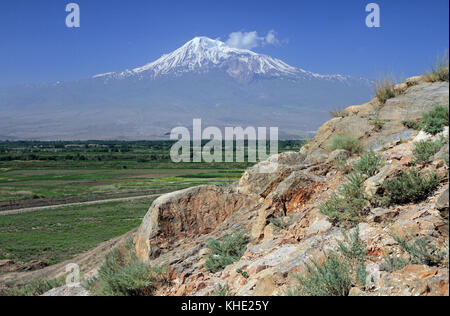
(271, 38)
(249, 40)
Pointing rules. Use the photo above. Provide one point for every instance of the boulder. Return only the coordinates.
(442, 204)
(179, 215)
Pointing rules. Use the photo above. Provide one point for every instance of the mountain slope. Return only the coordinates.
(203, 79)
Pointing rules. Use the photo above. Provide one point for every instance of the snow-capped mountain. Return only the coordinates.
(204, 78)
(202, 54)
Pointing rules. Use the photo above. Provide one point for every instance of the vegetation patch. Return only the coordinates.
(226, 251)
(420, 251)
(384, 89)
(410, 186)
(426, 149)
(36, 287)
(123, 274)
(348, 143)
(412, 124)
(435, 120)
(439, 70)
(56, 235)
(369, 164)
(338, 272)
(348, 206)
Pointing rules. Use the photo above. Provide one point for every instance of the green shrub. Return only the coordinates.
(280, 223)
(123, 274)
(353, 248)
(417, 125)
(243, 273)
(348, 206)
(393, 263)
(426, 149)
(342, 165)
(331, 278)
(384, 89)
(36, 287)
(439, 71)
(222, 290)
(335, 276)
(377, 123)
(348, 143)
(225, 252)
(410, 186)
(435, 120)
(369, 164)
(421, 251)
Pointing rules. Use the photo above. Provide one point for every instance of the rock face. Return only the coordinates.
(280, 212)
(183, 214)
(409, 105)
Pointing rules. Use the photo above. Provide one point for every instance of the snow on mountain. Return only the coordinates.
(203, 54)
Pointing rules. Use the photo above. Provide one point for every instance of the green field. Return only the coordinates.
(56, 235)
(56, 173)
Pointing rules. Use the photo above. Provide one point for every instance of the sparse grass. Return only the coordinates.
(225, 252)
(422, 251)
(222, 290)
(348, 143)
(410, 186)
(384, 89)
(435, 120)
(439, 70)
(341, 164)
(426, 149)
(123, 274)
(330, 278)
(348, 206)
(338, 272)
(36, 287)
(417, 125)
(393, 263)
(280, 223)
(338, 112)
(377, 122)
(369, 164)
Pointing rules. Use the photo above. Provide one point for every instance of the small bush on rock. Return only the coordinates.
(338, 272)
(439, 71)
(123, 274)
(348, 143)
(384, 89)
(417, 125)
(424, 150)
(421, 251)
(225, 252)
(369, 164)
(331, 278)
(348, 206)
(435, 120)
(410, 186)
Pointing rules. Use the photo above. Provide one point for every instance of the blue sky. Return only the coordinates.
(321, 36)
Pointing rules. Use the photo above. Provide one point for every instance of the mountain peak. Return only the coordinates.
(202, 55)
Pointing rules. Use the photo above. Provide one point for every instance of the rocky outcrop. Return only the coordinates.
(415, 99)
(177, 216)
(279, 210)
